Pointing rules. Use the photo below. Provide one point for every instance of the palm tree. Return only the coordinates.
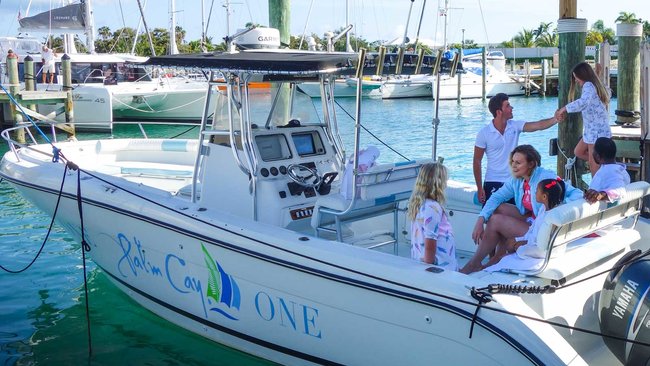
(542, 30)
(104, 32)
(548, 40)
(594, 38)
(625, 17)
(607, 34)
(525, 38)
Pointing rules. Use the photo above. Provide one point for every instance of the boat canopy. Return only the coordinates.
(287, 64)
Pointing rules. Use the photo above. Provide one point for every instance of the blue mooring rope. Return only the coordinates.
(55, 151)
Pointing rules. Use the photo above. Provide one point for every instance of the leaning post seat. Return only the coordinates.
(379, 191)
(562, 240)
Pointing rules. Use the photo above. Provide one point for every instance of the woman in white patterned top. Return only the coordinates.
(432, 240)
(593, 104)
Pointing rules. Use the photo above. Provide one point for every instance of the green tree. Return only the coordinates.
(594, 38)
(607, 34)
(545, 36)
(548, 40)
(525, 38)
(543, 29)
(646, 29)
(625, 17)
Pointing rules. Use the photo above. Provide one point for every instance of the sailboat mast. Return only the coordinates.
(146, 29)
(348, 48)
(406, 29)
(227, 6)
(202, 26)
(445, 11)
(173, 49)
(90, 27)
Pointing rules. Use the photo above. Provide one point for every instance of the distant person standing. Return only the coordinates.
(497, 140)
(48, 64)
(593, 104)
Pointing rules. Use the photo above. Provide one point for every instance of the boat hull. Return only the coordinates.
(272, 292)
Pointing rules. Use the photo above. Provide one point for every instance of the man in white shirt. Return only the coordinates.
(48, 63)
(496, 140)
(608, 184)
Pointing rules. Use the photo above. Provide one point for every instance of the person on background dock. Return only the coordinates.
(48, 64)
(593, 104)
(496, 140)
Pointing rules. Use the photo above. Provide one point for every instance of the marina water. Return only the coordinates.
(42, 310)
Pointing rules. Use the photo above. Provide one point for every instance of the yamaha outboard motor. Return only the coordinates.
(624, 309)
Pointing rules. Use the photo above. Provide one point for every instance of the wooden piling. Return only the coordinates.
(280, 18)
(418, 66)
(573, 34)
(380, 60)
(484, 72)
(542, 91)
(400, 61)
(527, 77)
(30, 82)
(66, 69)
(603, 64)
(629, 78)
(14, 88)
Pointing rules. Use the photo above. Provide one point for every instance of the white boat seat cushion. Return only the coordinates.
(571, 222)
(378, 189)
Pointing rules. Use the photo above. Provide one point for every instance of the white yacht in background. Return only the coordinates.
(107, 87)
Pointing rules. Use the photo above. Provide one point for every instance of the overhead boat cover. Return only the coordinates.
(283, 63)
(70, 17)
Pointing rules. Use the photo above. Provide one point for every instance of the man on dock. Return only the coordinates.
(48, 64)
(496, 140)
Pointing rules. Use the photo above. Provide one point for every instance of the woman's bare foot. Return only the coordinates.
(471, 268)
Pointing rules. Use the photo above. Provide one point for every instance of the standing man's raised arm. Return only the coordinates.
(540, 125)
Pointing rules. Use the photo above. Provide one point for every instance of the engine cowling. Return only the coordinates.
(624, 309)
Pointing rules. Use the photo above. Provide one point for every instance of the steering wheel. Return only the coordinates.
(300, 174)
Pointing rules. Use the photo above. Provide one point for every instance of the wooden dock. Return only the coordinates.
(17, 102)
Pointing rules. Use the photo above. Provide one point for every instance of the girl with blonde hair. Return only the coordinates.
(432, 240)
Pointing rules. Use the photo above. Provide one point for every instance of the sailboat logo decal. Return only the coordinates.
(223, 292)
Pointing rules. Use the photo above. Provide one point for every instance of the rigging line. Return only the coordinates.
(49, 230)
(122, 30)
(372, 134)
(184, 132)
(439, 295)
(207, 24)
(248, 7)
(15, 102)
(304, 30)
(483, 20)
(629, 262)
(85, 247)
(417, 35)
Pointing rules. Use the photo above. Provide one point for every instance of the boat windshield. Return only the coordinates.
(97, 72)
(262, 108)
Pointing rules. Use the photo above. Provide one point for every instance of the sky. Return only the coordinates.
(483, 21)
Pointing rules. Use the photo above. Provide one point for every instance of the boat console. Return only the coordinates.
(293, 166)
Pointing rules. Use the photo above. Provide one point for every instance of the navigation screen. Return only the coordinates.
(272, 147)
(304, 144)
